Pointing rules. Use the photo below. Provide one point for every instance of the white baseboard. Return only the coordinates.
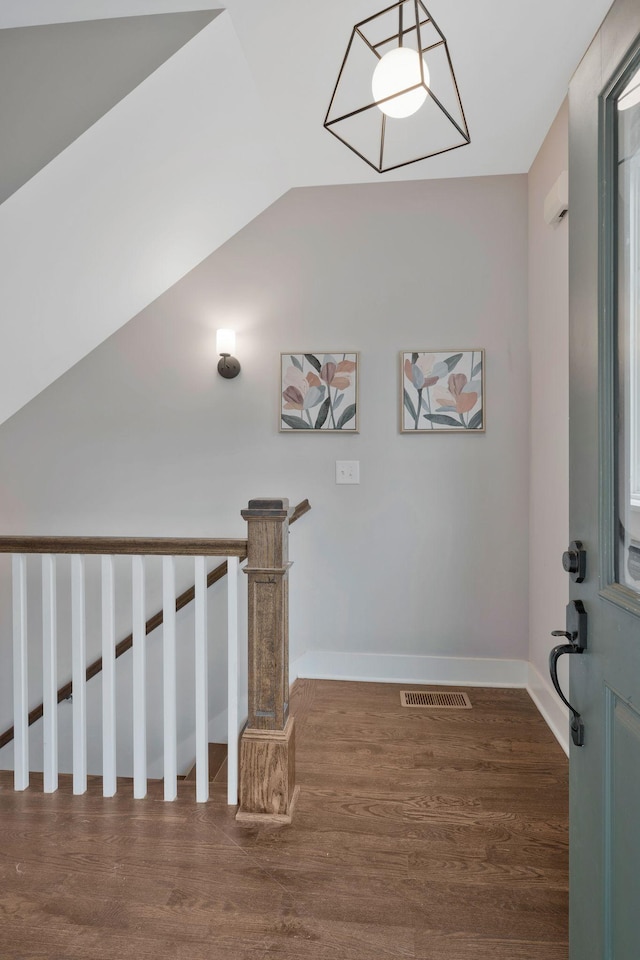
(404, 668)
(550, 706)
(463, 671)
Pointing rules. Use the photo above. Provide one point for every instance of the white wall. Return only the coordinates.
(549, 354)
(428, 555)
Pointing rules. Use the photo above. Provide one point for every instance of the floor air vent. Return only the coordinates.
(435, 699)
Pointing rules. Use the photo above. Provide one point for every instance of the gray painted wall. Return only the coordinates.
(428, 555)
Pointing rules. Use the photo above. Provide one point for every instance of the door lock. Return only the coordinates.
(574, 561)
(576, 634)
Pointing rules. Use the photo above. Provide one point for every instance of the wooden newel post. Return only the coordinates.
(267, 746)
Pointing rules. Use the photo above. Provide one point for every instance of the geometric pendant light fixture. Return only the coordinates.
(396, 99)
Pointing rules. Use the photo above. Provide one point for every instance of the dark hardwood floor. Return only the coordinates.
(433, 836)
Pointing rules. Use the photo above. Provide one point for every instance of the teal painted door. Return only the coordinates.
(604, 274)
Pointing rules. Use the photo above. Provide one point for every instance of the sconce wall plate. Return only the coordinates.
(228, 367)
(356, 117)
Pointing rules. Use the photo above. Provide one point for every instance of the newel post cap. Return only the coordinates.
(267, 507)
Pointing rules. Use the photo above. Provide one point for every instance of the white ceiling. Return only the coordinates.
(513, 60)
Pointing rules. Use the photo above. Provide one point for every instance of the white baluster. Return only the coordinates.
(49, 674)
(202, 704)
(109, 779)
(20, 688)
(139, 680)
(169, 676)
(232, 679)
(78, 675)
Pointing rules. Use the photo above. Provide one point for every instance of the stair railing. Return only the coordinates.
(262, 616)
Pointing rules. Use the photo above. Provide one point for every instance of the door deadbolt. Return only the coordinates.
(574, 561)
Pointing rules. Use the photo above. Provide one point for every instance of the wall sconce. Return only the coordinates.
(228, 366)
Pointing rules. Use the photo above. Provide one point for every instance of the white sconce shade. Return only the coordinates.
(399, 70)
(225, 342)
(228, 366)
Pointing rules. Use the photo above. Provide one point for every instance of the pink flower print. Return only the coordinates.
(460, 398)
(301, 393)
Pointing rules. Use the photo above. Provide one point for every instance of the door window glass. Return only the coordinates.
(628, 304)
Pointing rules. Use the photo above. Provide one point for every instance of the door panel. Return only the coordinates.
(622, 839)
(605, 680)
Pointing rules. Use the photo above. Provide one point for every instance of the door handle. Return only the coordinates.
(577, 725)
(576, 634)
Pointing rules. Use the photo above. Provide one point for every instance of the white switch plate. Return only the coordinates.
(347, 471)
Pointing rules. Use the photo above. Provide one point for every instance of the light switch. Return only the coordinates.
(347, 471)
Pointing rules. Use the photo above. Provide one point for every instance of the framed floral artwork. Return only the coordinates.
(442, 392)
(319, 391)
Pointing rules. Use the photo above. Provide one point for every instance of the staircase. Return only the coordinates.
(266, 777)
(217, 764)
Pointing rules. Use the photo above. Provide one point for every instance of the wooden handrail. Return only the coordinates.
(299, 511)
(127, 546)
(153, 622)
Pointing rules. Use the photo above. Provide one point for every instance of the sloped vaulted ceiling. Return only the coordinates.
(58, 79)
(175, 127)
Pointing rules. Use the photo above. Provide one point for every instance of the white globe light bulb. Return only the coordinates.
(397, 70)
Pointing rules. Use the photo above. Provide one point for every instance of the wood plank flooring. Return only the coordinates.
(432, 836)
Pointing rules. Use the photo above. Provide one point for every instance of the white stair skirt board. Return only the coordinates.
(463, 671)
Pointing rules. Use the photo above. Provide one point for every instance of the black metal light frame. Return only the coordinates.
(416, 23)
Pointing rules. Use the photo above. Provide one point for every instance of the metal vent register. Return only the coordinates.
(436, 700)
